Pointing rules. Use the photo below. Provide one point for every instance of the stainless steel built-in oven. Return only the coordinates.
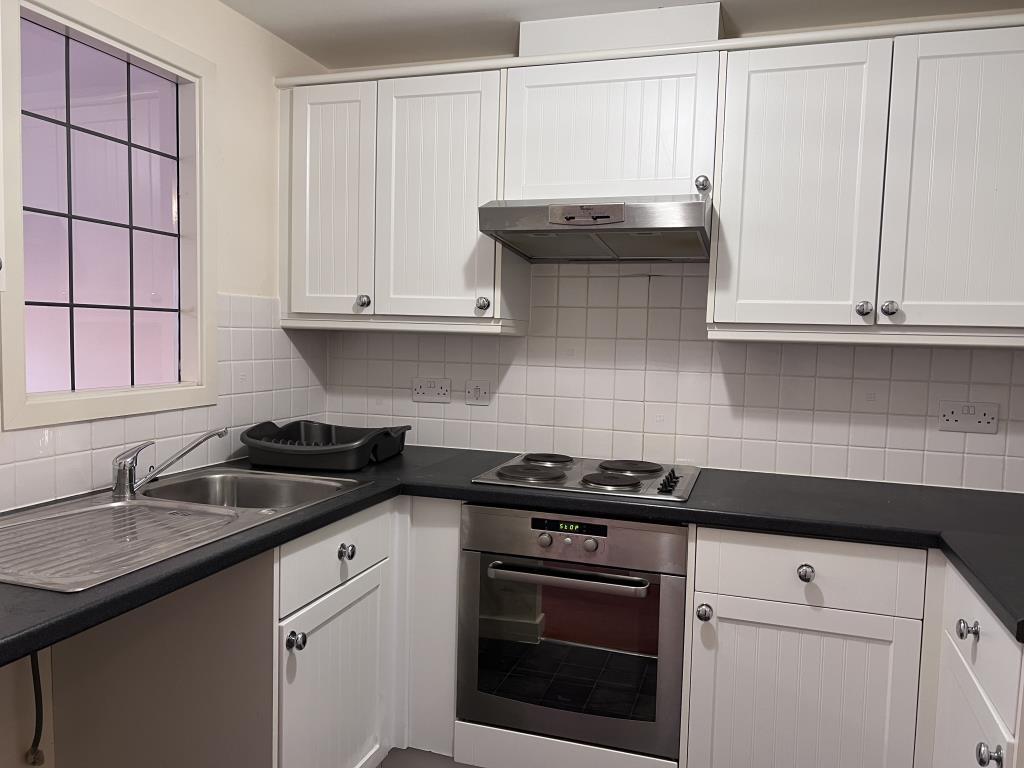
(572, 627)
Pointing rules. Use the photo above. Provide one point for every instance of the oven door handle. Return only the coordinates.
(589, 581)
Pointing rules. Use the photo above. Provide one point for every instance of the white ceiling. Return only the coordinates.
(352, 33)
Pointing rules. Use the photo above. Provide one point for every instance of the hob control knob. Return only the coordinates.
(589, 545)
(545, 540)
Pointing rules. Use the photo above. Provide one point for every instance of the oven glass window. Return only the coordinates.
(575, 647)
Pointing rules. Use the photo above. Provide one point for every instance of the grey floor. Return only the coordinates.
(413, 758)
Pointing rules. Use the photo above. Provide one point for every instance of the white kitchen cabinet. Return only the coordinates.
(628, 127)
(333, 700)
(952, 231)
(333, 176)
(795, 685)
(964, 716)
(800, 186)
(437, 161)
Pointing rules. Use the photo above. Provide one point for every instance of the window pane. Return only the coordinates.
(42, 70)
(102, 348)
(99, 91)
(99, 178)
(44, 165)
(156, 347)
(101, 264)
(154, 191)
(154, 111)
(46, 258)
(47, 349)
(156, 270)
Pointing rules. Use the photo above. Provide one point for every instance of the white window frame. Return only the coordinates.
(197, 86)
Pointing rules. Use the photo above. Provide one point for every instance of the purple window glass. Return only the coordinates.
(156, 270)
(46, 258)
(44, 165)
(154, 111)
(42, 71)
(47, 349)
(154, 191)
(101, 257)
(156, 347)
(99, 178)
(102, 348)
(99, 90)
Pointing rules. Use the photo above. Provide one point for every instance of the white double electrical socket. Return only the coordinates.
(431, 390)
(965, 416)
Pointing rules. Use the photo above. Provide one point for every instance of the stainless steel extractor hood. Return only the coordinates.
(663, 228)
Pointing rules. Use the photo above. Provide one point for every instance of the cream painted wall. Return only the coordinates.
(248, 58)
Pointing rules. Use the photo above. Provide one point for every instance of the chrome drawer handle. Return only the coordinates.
(296, 640)
(805, 573)
(347, 552)
(985, 755)
(965, 630)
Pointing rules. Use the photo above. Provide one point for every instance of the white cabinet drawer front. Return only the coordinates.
(800, 189)
(963, 715)
(629, 127)
(775, 684)
(994, 656)
(310, 566)
(847, 575)
(951, 229)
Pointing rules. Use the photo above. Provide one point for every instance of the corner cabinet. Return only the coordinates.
(816, 137)
(381, 185)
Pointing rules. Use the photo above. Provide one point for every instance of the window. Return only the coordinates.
(109, 296)
(100, 213)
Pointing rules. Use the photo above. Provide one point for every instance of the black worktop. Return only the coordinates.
(981, 531)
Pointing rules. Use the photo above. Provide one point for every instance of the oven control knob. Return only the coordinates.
(589, 545)
(545, 540)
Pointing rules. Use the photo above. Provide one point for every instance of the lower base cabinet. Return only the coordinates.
(795, 685)
(332, 690)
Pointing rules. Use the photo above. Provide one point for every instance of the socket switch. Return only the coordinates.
(478, 392)
(431, 390)
(964, 416)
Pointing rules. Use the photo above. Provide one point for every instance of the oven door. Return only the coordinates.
(575, 652)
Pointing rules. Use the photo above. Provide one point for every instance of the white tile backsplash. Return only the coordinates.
(617, 363)
(265, 373)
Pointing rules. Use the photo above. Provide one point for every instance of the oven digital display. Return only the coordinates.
(569, 526)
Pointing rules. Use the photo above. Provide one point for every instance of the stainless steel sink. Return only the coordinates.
(242, 489)
(73, 545)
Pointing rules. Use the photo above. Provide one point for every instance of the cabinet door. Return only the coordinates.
(629, 127)
(333, 150)
(800, 200)
(952, 232)
(331, 691)
(963, 716)
(437, 163)
(793, 685)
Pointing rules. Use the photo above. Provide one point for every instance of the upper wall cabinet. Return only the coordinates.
(333, 144)
(953, 232)
(800, 189)
(629, 127)
(437, 161)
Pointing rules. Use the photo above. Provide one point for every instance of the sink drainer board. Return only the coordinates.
(78, 548)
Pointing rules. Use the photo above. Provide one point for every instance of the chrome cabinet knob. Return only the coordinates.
(347, 552)
(296, 641)
(702, 183)
(705, 612)
(545, 540)
(806, 573)
(890, 308)
(965, 630)
(483, 302)
(864, 308)
(985, 755)
(362, 300)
